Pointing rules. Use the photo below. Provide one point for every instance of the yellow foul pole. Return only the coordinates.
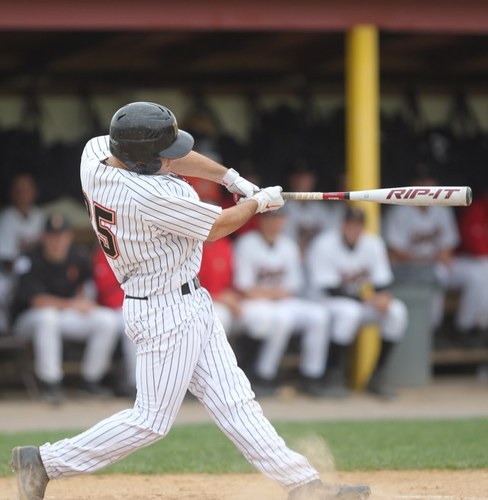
(363, 165)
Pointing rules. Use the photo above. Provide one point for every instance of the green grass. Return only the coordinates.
(368, 445)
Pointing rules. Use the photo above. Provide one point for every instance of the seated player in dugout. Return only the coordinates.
(473, 227)
(110, 294)
(349, 272)
(269, 274)
(50, 305)
(426, 239)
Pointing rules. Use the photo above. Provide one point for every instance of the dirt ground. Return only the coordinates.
(385, 485)
(462, 398)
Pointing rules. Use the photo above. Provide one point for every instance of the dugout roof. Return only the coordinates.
(61, 46)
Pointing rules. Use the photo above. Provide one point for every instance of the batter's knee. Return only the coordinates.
(150, 425)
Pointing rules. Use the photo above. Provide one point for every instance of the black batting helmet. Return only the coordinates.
(143, 132)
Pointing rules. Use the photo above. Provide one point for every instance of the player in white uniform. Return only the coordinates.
(269, 274)
(21, 226)
(429, 236)
(22, 222)
(349, 270)
(151, 225)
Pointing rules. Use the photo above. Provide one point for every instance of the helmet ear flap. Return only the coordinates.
(142, 168)
(146, 165)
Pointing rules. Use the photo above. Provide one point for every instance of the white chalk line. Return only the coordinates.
(431, 497)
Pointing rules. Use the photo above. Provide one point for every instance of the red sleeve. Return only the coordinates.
(217, 266)
(473, 226)
(109, 293)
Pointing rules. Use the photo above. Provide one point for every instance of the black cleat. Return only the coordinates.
(31, 474)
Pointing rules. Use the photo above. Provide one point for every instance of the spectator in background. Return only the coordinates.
(305, 219)
(269, 274)
(50, 305)
(426, 239)
(21, 222)
(110, 294)
(349, 271)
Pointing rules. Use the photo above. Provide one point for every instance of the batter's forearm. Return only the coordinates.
(232, 219)
(196, 165)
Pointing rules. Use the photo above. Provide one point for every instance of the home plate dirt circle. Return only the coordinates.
(385, 485)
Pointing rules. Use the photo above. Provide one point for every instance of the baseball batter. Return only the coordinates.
(151, 225)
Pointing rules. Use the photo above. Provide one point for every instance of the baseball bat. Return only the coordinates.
(411, 195)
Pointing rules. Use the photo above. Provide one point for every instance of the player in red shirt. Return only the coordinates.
(473, 226)
(216, 275)
(110, 294)
(217, 268)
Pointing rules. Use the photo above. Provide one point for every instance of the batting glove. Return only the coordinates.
(269, 199)
(238, 185)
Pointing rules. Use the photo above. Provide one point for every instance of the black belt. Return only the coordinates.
(185, 290)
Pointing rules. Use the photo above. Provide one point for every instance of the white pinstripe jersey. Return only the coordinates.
(151, 227)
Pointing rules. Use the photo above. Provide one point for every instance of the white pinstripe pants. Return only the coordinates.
(181, 346)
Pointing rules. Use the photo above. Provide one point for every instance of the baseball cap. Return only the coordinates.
(57, 223)
(354, 213)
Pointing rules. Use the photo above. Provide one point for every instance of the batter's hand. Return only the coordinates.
(269, 199)
(238, 185)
